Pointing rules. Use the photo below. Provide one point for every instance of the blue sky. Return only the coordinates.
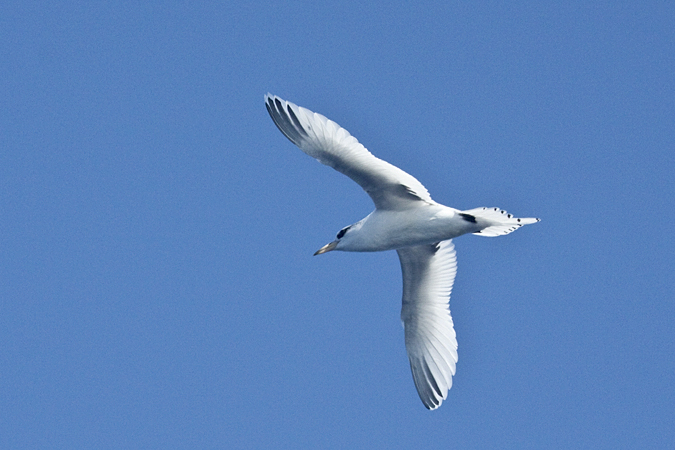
(157, 284)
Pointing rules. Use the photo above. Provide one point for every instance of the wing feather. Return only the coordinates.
(428, 275)
(388, 186)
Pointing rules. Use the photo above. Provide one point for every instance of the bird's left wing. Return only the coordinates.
(428, 275)
(389, 187)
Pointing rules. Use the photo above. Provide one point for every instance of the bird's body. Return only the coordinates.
(427, 223)
(407, 220)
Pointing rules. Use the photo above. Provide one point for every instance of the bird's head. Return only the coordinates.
(341, 240)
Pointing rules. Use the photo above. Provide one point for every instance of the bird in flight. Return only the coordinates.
(407, 220)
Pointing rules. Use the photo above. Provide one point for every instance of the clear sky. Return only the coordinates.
(157, 283)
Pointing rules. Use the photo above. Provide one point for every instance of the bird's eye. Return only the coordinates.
(342, 232)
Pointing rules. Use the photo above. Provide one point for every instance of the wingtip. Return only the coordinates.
(270, 98)
(433, 406)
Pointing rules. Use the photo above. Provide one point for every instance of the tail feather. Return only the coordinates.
(499, 221)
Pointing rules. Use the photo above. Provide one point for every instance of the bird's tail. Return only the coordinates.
(500, 222)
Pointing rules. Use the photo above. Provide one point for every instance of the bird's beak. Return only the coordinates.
(326, 248)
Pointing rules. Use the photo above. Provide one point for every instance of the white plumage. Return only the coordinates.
(407, 220)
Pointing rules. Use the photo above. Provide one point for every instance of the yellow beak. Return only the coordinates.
(326, 248)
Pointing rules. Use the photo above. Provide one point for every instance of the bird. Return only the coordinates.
(407, 220)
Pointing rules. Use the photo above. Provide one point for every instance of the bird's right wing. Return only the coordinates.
(389, 187)
(428, 275)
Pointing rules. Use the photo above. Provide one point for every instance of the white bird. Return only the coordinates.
(407, 220)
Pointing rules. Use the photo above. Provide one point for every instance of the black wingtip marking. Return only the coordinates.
(432, 382)
(269, 105)
(295, 120)
(285, 123)
(468, 217)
